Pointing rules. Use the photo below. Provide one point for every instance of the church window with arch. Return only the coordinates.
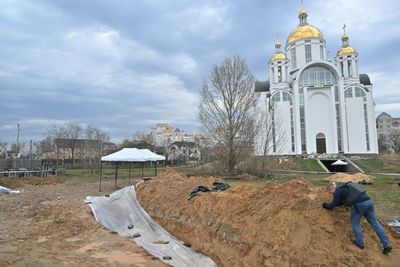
(317, 76)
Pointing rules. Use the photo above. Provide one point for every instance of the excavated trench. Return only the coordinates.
(275, 225)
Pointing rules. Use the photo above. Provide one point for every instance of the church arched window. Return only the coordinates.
(318, 76)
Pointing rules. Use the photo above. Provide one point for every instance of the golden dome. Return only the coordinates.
(278, 55)
(346, 48)
(304, 32)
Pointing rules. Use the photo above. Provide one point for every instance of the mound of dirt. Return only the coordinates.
(341, 177)
(275, 225)
(12, 182)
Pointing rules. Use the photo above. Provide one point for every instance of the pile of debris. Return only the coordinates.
(275, 225)
(358, 177)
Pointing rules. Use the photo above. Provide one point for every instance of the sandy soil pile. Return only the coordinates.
(51, 226)
(345, 177)
(275, 225)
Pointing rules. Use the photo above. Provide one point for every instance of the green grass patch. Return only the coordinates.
(384, 164)
(308, 165)
(109, 172)
(299, 164)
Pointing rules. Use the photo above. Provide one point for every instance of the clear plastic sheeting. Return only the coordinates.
(121, 212)
(6, 190)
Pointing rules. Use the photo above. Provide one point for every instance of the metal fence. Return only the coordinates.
(20, 163)
(53, 163)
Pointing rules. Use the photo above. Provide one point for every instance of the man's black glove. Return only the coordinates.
(325, 206)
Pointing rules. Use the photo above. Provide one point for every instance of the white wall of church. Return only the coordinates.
(315, 50)
(320, 119)
(355, 125)
(372, 125)
(284, 145)
(300, 55)
(259, 138)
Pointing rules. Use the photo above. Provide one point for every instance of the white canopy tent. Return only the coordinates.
(133, 155)
(339, 163)
(130, 155)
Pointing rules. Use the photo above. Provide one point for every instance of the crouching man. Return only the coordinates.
(352, 195)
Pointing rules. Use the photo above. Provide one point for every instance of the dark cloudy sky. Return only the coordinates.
(125, 65)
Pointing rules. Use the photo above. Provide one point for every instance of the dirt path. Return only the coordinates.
(49, 225)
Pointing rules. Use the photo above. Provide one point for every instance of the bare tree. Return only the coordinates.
(47, 144)
(19, 148)
(69, 135)
(95, 137)
(143, 137)
(71, 132)
(139, 140)
(394, 138)
(227, 100)
(384, 143)
(3, 149)
(270, 137)
(127, 142)
(273, 135)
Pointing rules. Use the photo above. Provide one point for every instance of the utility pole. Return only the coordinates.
(18, 140)
(30, 155)
(17, 148)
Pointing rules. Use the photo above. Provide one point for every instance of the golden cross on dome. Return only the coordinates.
(277, 42)
(344, 28)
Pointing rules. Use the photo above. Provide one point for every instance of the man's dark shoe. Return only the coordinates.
(387, 250)
(358, 245)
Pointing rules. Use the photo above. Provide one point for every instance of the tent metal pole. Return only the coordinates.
(155, 168)
(116, 175)
(142, 169)
(130, 163)
(101, 169)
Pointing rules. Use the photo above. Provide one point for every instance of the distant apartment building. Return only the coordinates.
(386, 123)
(388, 129)
(165, 134)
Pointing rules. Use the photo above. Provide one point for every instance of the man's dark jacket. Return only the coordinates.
(340, 195)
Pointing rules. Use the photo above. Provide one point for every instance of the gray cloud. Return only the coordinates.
(126, 65)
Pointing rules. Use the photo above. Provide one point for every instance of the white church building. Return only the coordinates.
(315, 105)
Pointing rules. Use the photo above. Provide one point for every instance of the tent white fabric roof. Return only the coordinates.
(133, 155)
(339, 163)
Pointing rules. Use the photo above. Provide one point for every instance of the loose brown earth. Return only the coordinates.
(49, 225)
(345, 177)
(275, 225)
